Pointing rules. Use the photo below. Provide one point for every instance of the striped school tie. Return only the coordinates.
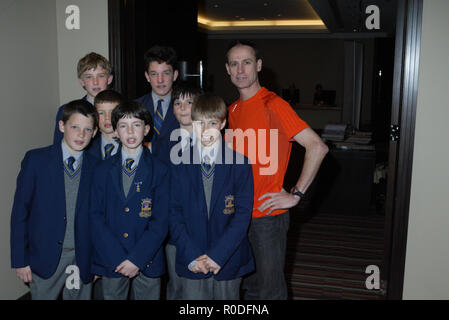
(158, 118)
(70, 162)
(206, 168)
(129, 164)
(108, 150)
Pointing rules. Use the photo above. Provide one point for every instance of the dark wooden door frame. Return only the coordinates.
(405, 84)
(405, 92)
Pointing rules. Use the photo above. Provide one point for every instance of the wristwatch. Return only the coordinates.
(296, 192)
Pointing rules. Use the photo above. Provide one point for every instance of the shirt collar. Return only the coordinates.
(211, 152)
(105, 141)
(165, 102)
(90, 100)
(66, 154)
(135, 157)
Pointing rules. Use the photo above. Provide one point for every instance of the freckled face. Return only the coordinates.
(131, 131)
(94, 81)
(78, 131)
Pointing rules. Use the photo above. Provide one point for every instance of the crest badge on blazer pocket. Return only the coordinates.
(229, 204)
(145, 208)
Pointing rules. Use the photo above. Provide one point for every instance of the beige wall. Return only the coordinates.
(74, 44)
(427, 258)
(38, 62)
(29, 93)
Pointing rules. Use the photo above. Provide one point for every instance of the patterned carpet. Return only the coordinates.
(327, 255)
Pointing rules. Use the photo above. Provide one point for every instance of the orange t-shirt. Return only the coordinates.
(268, 123)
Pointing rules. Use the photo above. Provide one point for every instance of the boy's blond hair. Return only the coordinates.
(209, 106)
(92, 61)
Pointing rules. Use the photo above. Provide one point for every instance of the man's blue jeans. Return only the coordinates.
(268, 238)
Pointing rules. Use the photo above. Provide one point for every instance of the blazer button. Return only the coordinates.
(125, 235)
(126, 209)
(59, 242)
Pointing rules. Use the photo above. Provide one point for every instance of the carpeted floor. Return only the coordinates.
(327, 255)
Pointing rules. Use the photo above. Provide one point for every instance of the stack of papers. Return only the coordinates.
(334, 132)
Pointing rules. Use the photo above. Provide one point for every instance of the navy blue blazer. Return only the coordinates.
(164, 147)
(132, 228)
(94, 148)
(38, 220)
(223, 237)
(170, 123)
(58, 135)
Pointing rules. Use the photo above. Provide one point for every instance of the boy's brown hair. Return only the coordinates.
(108, 96)
(209, 106)
(80, 106)
(92, 61)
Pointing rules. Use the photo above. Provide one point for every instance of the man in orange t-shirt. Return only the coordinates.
(262, 126)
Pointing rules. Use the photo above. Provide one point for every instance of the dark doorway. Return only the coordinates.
(135, 25)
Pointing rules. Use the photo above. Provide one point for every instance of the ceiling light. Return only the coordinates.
(258, 23)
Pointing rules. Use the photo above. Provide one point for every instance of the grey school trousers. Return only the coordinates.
(64, 279)
(174, 285)
(140, 288)
(210, 289)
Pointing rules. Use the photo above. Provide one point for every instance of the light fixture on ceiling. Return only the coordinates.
(211, 24)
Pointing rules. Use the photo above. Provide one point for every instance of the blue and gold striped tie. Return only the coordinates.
(129, 164)
(108, 150)
(158, 117)
(70, 162)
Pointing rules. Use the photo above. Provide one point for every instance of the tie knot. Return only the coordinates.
(129, 163)
(108, 150)
(70, 162)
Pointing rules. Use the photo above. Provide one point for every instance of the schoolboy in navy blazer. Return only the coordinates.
(223, 236)
(129, 211)
(120, 231)
(161, 72)
(38, 216)
(210, 209)
(39, 221)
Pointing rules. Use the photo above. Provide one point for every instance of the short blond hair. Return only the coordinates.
(92, 61)
(209, 106)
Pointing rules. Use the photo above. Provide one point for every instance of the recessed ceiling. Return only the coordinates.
(294, 16)
(216, 15)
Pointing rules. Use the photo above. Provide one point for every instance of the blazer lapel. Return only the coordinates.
(83, 190)
(168, 120)
(56, 170)
(222, 171)
(143, 174)
(196, 181)
(115, 175)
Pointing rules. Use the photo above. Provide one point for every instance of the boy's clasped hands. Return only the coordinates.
(205, 265)
(127, 269)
